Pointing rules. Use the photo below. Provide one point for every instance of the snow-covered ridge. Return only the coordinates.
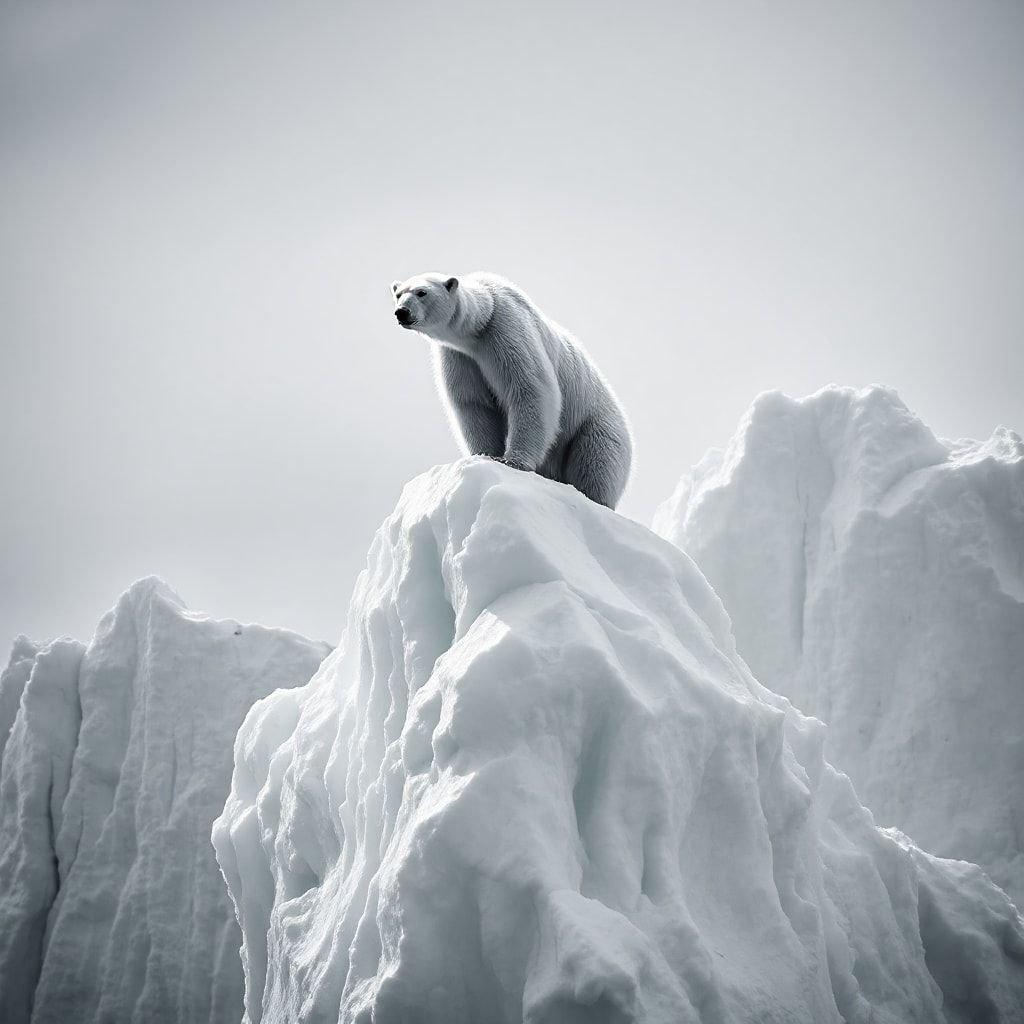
(535, 782)
(115, 760)
(875, 575)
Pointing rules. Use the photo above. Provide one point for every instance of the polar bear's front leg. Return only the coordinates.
(533, 407)
(472, 408)
(482, 428)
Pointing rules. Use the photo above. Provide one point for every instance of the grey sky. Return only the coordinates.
(203, 206)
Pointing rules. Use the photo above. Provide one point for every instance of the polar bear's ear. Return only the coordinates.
(452, 283)
(395, 285)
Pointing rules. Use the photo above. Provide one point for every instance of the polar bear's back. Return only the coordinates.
(580, 381)
(587, 400)
(568, 424)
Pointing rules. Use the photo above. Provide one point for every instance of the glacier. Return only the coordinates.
(874, 574)
(536, 782)
(115, 757)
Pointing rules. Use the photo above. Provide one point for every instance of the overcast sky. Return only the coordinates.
(203, 206)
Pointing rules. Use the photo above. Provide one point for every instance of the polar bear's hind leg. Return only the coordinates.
(597, 463)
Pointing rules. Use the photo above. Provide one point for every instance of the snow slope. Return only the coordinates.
(111, 905)
(536, 782)
(874, 574)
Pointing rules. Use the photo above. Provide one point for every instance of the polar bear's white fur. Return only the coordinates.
(518, 387)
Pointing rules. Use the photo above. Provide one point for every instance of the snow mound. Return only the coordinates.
(536, 783)
(115, 760)
(874, 575)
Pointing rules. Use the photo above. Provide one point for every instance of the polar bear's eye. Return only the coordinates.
(421, 294)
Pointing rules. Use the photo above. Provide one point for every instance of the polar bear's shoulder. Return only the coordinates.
(493, 283)
(504, 297)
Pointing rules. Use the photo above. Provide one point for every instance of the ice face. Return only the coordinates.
(112, 907)
(875, 575)
(39, 688)
(535, 782)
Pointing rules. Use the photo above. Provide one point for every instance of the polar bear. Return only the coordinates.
(518, 387)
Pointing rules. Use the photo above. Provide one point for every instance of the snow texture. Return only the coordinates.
(535, 782)
(874, 574)
(116, 759)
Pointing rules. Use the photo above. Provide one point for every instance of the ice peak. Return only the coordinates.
(490, 531)
(535, 782)
(875, 575)
(117, 759)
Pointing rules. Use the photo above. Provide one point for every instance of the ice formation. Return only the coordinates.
(535, 782)
(115, 760)
(874, 574)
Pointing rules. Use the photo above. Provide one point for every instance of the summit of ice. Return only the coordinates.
(875, 575)
(116, 758)
(535, 782)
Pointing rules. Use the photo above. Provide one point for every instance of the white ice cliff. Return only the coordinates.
(116, 758)
(874, 574)
(535, 782)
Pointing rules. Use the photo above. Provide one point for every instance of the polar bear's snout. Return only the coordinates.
(403, 316)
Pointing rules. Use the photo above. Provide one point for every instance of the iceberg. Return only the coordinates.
(116, 758)
(537, 783)
(874, 574)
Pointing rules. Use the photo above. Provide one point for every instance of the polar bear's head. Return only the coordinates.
(425, 303)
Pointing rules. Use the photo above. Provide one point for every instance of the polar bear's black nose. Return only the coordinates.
(403, 315)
